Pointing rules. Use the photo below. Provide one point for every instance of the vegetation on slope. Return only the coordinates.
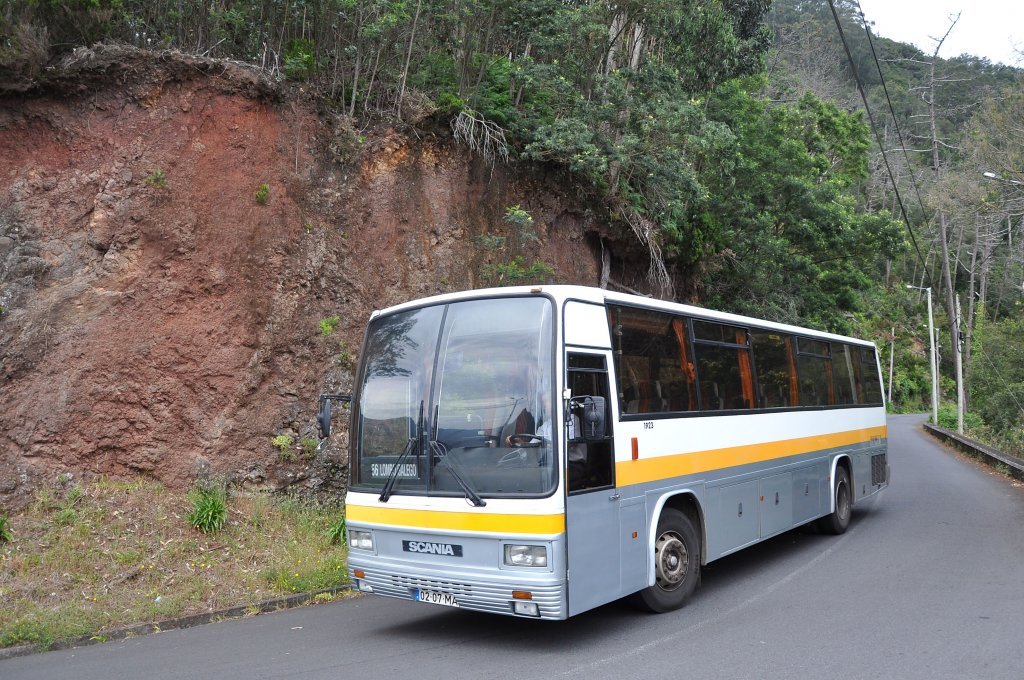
(83, 560)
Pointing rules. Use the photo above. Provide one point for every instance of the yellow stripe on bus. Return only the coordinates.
(665, 467)
(457, 521)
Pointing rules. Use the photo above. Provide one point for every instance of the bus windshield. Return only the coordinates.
(456, 400)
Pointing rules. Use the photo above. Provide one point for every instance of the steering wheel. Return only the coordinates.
(524, 440)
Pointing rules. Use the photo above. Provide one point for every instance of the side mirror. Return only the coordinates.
(324, 415)
(324, 418)
(592, 418)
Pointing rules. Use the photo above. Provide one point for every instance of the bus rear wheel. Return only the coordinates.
(676, 564)
(836, 522)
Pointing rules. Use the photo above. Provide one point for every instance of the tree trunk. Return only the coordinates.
(408, 58)
(947, 278)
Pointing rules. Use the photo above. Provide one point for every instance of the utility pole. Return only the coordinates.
(892, 353)
(959, 372)
(932, 358)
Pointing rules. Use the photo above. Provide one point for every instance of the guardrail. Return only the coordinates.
(989, 455)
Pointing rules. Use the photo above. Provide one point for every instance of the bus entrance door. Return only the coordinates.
(592, 503)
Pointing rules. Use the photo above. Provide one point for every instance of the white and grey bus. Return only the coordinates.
(542, 451)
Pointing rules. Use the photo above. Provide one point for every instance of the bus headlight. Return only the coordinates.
(526, 555)
(361, 540)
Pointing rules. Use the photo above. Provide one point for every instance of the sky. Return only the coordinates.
(987, 28)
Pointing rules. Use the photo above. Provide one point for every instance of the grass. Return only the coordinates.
(126, 554)
(156, 179)
(328, 325)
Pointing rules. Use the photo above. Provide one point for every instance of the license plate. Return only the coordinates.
(434, 597)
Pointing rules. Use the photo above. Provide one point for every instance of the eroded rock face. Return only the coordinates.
(159, 320)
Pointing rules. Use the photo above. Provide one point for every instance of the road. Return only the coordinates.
(927, 583)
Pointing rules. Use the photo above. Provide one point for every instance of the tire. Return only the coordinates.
(836, 522)
(676, 564)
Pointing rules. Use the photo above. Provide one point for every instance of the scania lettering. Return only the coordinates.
(432, 548)
(542, 451)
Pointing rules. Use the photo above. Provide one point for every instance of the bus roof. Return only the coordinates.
(561, 293)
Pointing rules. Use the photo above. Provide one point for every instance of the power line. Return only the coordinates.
(892, 110)
(881, 146)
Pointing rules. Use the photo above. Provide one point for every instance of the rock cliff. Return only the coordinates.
(161, 314)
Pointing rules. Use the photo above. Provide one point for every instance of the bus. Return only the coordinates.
(540, 451)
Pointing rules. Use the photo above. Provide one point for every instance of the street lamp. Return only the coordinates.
(934, 367)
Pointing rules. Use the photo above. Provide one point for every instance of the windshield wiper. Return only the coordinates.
(441, 451)
(389, 485)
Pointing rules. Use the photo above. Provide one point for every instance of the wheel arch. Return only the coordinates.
(842, 460)
(687, 502)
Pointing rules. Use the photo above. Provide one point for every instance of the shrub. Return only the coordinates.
(947, 418)
(517, 273)
(328, 325)
(309, 445)
(519, 217)
(299, 60)
(490, 242)
(345, 358)
(209, 510)
(5, 529)
(283, 443)
(156, 179)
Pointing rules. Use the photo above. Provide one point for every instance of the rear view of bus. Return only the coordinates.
(542, 451)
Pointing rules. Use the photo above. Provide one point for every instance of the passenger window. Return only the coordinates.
(843, 374)
(723, 367)
(872, 382)
(775, 362)
(652, 362)
(815, 371)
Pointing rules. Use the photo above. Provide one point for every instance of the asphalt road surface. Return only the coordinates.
(927, 583)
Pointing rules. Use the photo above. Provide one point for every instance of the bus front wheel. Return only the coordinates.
(676, 564)
(839, 519)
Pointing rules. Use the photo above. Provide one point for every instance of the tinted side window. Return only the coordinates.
(843, 373)
(872, 382)
(775, 361)
(723, 366)
(654, 371)
(815, 371)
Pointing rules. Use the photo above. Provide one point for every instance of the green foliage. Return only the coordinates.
(522, 221)
(6, 535)
(516, 273)
(788, 187)
(328, 325)
(490, 241)
(299, 59)
(997, 375)
(344, 357)
(515, 215)
(973, 423)
(309, 445)
(156, 179)
(336, 532)
(27, 632)
(263, 193)
(65, 516)
(284, 443)
(209, 511)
